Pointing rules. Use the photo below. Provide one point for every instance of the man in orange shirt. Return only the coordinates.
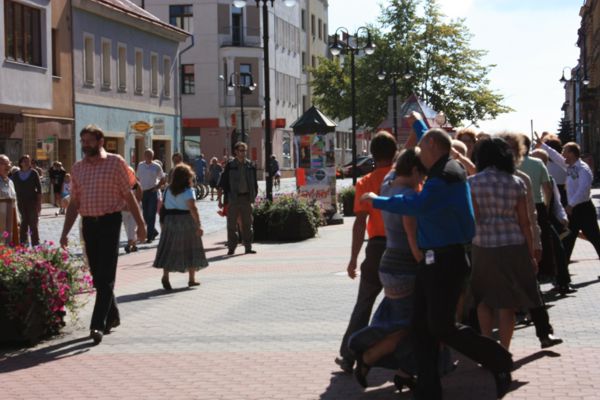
(383, 150)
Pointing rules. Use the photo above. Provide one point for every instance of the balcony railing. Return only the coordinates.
(243, 37)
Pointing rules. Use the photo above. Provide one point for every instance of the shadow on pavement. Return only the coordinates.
(343, 386)
(156, 293)
(584, 284)
(534, 357)
(27, 359)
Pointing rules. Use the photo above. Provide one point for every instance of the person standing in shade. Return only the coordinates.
(57, 175)
(101, 187)
(29, 200)
(239, 186)
(200, 169)
(151, 177)
(383, 148)
(445, 224)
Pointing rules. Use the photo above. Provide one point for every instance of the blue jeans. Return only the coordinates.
(149, 206)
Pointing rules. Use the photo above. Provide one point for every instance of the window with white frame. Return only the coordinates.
(106, 60)
(139, 71)
(166, 77)
(122, 67)
(154, 74)
(88, 59)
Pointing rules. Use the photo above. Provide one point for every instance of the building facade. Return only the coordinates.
(125, 77)
(227, 46)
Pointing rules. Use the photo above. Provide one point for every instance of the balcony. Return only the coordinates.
(242, 37)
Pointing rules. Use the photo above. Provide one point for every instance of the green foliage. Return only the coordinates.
(565, 132)
(346, 193)
(446, 72)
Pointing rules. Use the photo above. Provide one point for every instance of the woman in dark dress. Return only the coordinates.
(29, 200)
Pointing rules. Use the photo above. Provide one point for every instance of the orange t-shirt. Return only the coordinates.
(371, 183)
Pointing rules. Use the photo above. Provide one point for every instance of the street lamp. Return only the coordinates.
(268, 145)
(245, 84)
(346, 45)
(406, 75)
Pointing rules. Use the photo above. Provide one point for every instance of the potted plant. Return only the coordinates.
(293, 218)
(38, 286)
(346, 198)
(260, 219)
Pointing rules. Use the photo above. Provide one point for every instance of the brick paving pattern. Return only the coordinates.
(268, 326)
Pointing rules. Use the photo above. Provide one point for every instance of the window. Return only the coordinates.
(303, 60)
(55, 53)
(245, 75)
(88, 59)
(139, 71)
(312, 25)
(122, 67)
(167, 77)
(303, 20)
(187, 79)
(325, 33)
(153, 74)
(237, 26)
(320, 29)
(22, 30)
(313, 62)
(106, 59)
(182, 16)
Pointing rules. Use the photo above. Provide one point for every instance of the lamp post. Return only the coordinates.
(574, 80)
(245, 84)
(346, 45)
(267, 87)
(381, 75)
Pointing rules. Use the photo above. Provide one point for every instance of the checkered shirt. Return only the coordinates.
(496, 194)
(101, 185)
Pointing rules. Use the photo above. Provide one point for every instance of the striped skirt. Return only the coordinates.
(180, 248)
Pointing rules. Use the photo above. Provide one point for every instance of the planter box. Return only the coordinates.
(260, 228)
(27, 330)
(348, 206)
(291, 227)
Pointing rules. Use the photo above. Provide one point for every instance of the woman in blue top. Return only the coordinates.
(180, 248)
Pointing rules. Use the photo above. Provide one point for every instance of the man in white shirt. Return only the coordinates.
(151, 177)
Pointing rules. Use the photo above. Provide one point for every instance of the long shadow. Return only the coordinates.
(222, 257)
(343, 386)
(156, 293)
(585, 284)
(534, 357)
(28, 359)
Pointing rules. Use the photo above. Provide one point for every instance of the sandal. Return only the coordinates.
(361, 371)
(193, 283)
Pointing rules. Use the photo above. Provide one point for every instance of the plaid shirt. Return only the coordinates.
(496, 194)
(101, 185)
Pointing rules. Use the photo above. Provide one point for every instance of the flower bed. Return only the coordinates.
(38, 286)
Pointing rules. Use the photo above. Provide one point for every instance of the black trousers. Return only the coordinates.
(368, 290)
(547, 265)
(101, 236)
(437, 290)
(583, 218)
(29, 223)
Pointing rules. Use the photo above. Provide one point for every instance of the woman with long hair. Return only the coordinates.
(180, 247)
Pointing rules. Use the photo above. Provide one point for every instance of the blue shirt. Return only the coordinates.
(199, 168)
(178, 202)
(443, 208)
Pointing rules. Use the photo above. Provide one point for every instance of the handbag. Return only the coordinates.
(163, 210)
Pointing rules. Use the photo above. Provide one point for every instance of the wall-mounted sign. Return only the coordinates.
(159, 126)
(141, 126)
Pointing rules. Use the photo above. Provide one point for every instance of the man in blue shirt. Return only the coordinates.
(200, 168)
(445, 224)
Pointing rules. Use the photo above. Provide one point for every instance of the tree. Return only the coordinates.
(565, 132)
(446, 72)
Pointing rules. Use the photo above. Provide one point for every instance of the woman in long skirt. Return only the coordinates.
(180, 247)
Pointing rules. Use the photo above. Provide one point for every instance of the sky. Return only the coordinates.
(529, 41)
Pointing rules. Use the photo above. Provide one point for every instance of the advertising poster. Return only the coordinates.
(317, 159)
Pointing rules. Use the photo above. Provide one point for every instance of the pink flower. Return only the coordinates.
(5, 234)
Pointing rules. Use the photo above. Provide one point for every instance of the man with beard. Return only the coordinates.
(101, 187)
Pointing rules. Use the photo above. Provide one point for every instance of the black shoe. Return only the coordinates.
(111, 325)
(550, 341)
(149, 240)
(127, 249)
(503, 381)
(566, 289)
(401, 381)
(166, 284)
(230, 252)
(134, 248)
(361, 371)
(250, 251)
(345, 364)
(96, 336)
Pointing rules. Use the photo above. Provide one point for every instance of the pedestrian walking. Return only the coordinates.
(152, 178)
(57, 175)
(29, 200)
(200, 169)
(383, 149)
(176, 159)
(8, 204)
(214, 175)
(128, 218)
(238, 188)
(65, 194)
(180, 247)
(445, 224)
(101, 187)
(275, 171)
(397, 271)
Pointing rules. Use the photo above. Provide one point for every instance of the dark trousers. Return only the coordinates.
(437, 290)
(101, 236)
(149, 206)
(29, 222)
(583, 218)
(547, 265)
(368, 290)
(239, 209)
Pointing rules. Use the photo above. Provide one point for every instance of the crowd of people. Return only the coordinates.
(461, 231)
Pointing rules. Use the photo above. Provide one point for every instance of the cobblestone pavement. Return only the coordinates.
(268, 326)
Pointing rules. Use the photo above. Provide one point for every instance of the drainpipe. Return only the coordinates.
(180, 90)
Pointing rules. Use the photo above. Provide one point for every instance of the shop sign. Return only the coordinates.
(141, 126)
(159, 126)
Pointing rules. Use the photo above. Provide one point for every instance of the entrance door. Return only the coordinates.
(65, 153)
